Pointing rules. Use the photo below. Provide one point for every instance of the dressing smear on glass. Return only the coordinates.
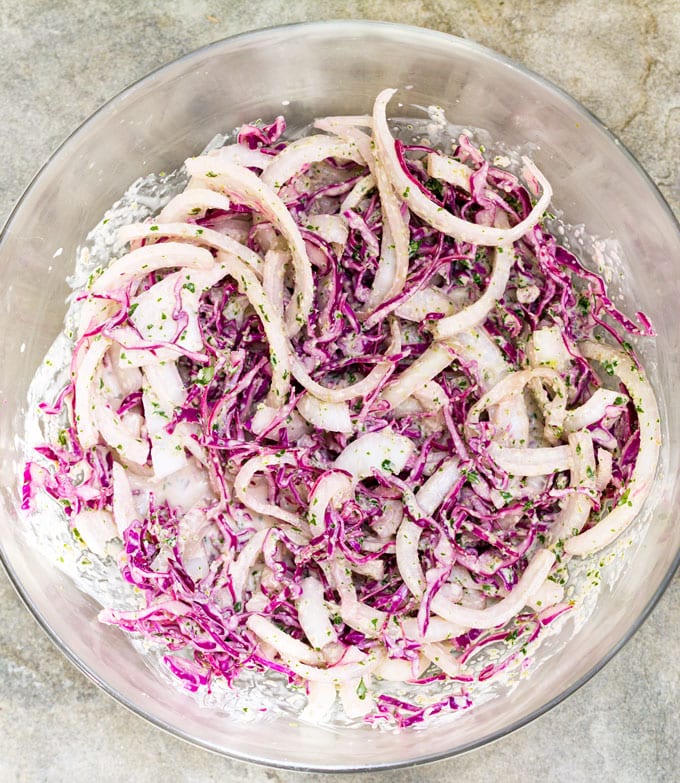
(346, 429)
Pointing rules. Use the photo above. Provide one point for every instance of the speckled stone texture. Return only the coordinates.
(60, 61)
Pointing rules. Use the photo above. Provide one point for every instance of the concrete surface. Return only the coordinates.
(59, 62)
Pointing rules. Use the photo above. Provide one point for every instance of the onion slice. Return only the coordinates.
(639, 484)
(300, 153)
(476, 313)
(500, 612)
(190, 202)
(282, 642)
(249, 189)
(314, 615)
(382, 451)
(330, 416)
(539, 461)
(150, 258)
(199, 235)
(426, 209)
(426, 367)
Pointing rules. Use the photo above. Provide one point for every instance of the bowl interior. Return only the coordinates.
(319, 69)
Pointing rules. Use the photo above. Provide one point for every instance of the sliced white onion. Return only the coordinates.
(341, 393)
(512, 385)
(249, 499)
(187, 487)
(500, 612)
(150, 258)
(510, 419)
(351, 134)
(449, 170)
(603, 475)
(538, 461)
(313, 614)
(358, 193)
(97, 529)
(282, 642)
(320, 700)
(546, 348)
(383, 451)
(337, 123)
(432, 493)
(388, 522)
(240, 568)
(115, 432)
(426, 209)
(431, 395)
(123, 505)
(357, 700)
(576, 508)
(249, 189)
(242, 155)
(85, 423)
(394, 249)
(474, 346)
(193, 528)
(300, 153)
(385, 276)
(293, 424)
(362, 617)
(373, 569)
(440, 655)
(129, 378)
(507, 409)
(273, 274)
(336, 674)
(438, 629)
(398, 669)
(93, 313)
(423, 303)
(475, 314)
(553, 411)
(332, 228)
(526, 294)
(427, 366)
(354, 613)
(329, 416)
(642, 476)
(548, 594)
(334, 485)
(167, 451)
(593, 409)
(167, 383)
(191, 202)
(452, 591)
(198, 235)
(408, 560)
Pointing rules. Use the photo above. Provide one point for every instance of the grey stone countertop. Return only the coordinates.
(60, 61)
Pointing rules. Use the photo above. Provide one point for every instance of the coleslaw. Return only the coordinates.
(350, 409)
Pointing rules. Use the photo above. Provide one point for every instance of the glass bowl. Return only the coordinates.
(318, 69)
